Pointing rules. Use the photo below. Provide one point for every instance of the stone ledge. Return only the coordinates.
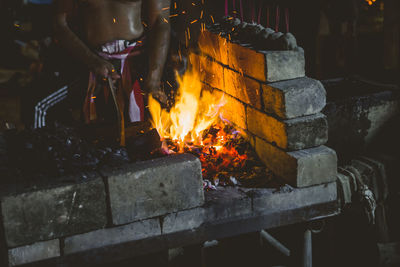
(155, 187)
(265, 201)
(300, 168)
(271, 208)
(289, 135)
(34, 252)
(111, 236)
(227, 203)
(50, 213)
(294, 98)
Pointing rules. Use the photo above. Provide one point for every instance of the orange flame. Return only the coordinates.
(194, 111)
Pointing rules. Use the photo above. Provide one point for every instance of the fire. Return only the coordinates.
(195, 125)
(195, 110)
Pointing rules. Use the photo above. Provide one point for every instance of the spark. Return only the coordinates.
(169, 84)
(144, 23)
(174, 15)
(194, 21)
(165, 8)
(201, 14)
(17, 25)
(212, 18)
(193, 4)
(114, 20)
(165, 20)
(175, 5)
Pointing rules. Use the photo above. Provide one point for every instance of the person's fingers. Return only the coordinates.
(115, 75)
(104, 72)
(161, 97)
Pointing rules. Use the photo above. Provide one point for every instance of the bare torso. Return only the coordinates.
(108, 20)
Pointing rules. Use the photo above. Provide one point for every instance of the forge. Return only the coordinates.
(242, 150)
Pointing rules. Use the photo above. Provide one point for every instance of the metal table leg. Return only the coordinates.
(307, 249)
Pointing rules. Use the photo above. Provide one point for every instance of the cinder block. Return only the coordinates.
(266, 66)
(289, 135)
(213, 45)
(233, 110)
(51, 213)
(243, 88)
(155, 187)
(34, 252)
(210, 71)
(294, 98)
(112, 236)
(301, 168)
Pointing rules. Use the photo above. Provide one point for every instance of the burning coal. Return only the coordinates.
(195, 110)
(195, 124)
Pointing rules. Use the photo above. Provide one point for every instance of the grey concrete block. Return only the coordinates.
(51, 213)
(267, 201)
(306, 132)
(266, 66)
(294, 98)
(284, 65)
(301, 168)
(112, 236)
(293, 134)
(155, 187)
(34, 252)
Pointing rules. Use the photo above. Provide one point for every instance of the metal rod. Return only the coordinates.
(307, 249)
(275, 243)
(120, 119)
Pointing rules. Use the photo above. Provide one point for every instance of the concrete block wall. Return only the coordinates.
(115, 205)
(277, 107)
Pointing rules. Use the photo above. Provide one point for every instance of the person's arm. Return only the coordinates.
(159, 37)
(74, 45)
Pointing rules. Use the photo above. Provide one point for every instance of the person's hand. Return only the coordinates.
(103, 68)
(154, 89)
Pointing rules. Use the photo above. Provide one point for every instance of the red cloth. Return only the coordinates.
(128, 87)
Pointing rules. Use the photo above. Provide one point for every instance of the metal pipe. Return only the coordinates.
(307, 249)
(275, 243)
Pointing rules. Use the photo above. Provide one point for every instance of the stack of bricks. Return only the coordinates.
(275, 105)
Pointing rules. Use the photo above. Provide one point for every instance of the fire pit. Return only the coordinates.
(242, 116)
